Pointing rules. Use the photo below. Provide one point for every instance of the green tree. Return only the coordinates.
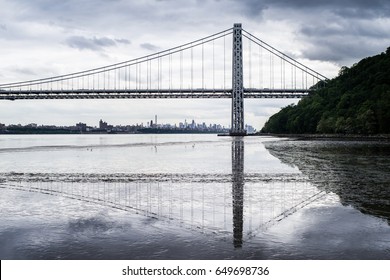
(357, 101)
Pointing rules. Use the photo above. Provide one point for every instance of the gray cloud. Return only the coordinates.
(363, 13)
(350, 27)
(123, 41)
(252, 8)
(24, 71)
(3, 27)
(149, 47)
(335, 5)
(338, 31)
(344, 41)
(95, 44)
(344, 52)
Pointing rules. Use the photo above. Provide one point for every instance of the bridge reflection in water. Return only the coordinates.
(238, 190)
(239, 204)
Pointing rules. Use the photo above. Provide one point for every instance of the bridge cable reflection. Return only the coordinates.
(200, 203)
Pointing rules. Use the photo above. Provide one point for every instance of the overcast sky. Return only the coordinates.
(42, 38)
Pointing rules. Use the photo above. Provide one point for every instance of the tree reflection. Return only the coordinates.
(356, 171)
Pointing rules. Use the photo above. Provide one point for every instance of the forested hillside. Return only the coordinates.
(355, 102)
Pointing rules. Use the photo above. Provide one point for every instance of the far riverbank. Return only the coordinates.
(344, 137)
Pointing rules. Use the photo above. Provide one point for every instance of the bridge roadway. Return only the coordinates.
(149, 93)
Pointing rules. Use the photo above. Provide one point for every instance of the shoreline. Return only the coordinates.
(335, 137)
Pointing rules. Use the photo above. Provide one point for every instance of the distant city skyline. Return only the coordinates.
(115, 128)
(103, 125)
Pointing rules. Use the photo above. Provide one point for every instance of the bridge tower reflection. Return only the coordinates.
(238, 189)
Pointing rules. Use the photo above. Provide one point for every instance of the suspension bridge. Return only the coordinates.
(198, 69)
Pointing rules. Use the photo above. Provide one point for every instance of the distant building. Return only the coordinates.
(103, 125)
(250, 129)
(33, 125)
(82, 127)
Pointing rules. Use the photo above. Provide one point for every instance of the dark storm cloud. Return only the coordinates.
(380, 5)
(333, 51)
(339, 31)
(363, 13)
(95, 11)
(361, 9)
(345, 40)
(95, 44)
(329, 30)
(343, 52)
(344, 7)
(352, 28)
(252, 7)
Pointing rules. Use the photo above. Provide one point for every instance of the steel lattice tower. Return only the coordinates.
(237, 84)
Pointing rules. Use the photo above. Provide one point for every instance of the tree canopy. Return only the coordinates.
(357, 101)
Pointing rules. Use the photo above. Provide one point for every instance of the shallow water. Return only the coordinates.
(192, 197)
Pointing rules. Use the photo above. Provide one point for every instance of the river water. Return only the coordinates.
(192, 197)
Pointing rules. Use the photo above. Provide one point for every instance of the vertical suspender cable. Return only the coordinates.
(170, 71)
(260, 67)
(129, 76)
(147, 73)
(270, 71)
(224, 62)
(140, 75)
(150, 74)
(181, 69)
(250, 63)
(158, 73)
(284, 74)
(295, 77)
(213, 67)
(192, 67)
(202, 65)
(104, 78)
(306, 79)
(136, 75)
(125, 86)
(281, 73)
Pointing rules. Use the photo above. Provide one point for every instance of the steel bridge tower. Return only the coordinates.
(237, 128)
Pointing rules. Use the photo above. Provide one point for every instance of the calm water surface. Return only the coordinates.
(192, 197)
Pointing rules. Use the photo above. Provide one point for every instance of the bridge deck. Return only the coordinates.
(149, 93)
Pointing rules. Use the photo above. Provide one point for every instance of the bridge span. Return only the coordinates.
(198, 69)
(151, 93)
